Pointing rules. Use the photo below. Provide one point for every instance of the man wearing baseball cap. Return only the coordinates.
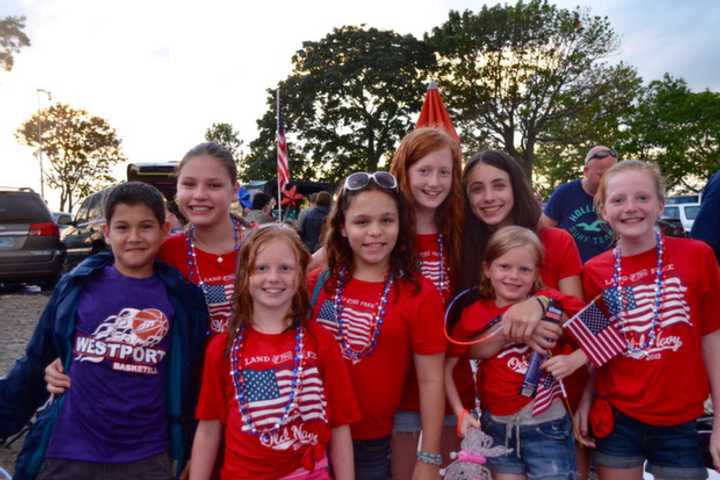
(571, 205)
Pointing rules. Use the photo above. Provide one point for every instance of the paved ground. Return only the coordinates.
(19, 312)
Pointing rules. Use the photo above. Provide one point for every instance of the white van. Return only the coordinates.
(685, 212)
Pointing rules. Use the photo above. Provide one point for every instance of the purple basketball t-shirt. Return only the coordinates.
(115, 411)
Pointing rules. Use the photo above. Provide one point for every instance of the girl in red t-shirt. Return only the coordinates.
(206, 252)
(663, 296)
(428, 167)
(274, 387)
(385, 316)
(538, 429)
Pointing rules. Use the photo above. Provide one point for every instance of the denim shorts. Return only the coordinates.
(671, 452)
(546, 450)
(406, 421)
(372, 459)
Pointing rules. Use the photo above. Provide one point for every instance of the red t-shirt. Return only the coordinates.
(216, 271)
(412, 325)
(500, 377)
(669, 385)
(325, 401)
(562, 259)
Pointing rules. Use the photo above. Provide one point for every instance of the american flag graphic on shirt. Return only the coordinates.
(268, 394)
(356, 323)
(219, 303)
(638, 302)
(433, 268)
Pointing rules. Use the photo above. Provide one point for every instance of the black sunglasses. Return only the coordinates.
(602, 154)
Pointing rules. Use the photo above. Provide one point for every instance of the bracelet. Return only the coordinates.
(458, 425)
(430, 458)
(544, 302)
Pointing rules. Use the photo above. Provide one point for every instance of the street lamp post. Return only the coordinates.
(40, 151)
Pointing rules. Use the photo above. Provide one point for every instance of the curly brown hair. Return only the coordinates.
(242, 301)
(403, 261)
(449, 216)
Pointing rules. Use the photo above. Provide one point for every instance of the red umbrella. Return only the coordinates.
(434, 113)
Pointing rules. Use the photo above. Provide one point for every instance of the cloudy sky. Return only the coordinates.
(162, 71)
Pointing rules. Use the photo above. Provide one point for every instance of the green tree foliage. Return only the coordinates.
(565, 142)
(225, 135)
(678, 129)
(12, 39)
(346, 104)
(513, 71)
(81, 149)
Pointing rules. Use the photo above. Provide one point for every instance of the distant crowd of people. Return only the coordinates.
(419, 305)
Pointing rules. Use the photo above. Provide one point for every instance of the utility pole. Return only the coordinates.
(40, 143)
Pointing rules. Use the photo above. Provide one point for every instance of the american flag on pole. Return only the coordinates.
(268, 393)
(548, 390)
(597, 332)
(283, 168)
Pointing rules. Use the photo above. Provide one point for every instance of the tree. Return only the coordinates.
(678, 129)
(346, 104)
(81, 149)
(12, 39)
(225, 135)
(512, 71)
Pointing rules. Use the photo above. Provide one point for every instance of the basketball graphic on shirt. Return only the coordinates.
(145, 327)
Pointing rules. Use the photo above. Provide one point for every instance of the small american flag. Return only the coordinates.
(597, 333)
(356, 324)
(269, 394)
(219, 303)
(283, 167)
(548, 389)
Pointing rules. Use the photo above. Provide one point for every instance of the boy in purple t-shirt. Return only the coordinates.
(133, 331)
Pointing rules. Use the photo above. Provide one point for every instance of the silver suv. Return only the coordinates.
(30, 248)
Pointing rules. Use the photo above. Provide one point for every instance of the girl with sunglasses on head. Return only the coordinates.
(428, 167)
(274, 386)
(384, 315)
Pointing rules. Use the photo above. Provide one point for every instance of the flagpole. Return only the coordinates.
(277, 134)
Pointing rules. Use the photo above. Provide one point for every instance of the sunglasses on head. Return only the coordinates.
(602, 154)
(360, 180)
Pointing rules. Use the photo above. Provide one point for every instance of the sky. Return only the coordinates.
(161, 72)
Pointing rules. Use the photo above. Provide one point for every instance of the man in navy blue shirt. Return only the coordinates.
(571, 205)
(707, 222)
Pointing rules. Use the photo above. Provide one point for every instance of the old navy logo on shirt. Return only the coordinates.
(126, 339)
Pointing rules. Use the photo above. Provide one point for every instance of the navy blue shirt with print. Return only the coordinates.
(114, 412)
(572, 208)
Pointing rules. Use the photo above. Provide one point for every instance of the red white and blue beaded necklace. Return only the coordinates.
(191, 256)
(649, 340)
(241, 389)
(356, 355)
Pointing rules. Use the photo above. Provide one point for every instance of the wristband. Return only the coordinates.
(434, 459)
(458, 425)
(544, 302)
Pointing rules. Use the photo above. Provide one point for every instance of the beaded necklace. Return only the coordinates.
(194, 265)
(241, 388)
(375, 326)
(642, 349)
(441, 251)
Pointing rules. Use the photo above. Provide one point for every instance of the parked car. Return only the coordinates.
(84, 236)
(62, 219)
(685, 212)
(30, 247)
(671, 227)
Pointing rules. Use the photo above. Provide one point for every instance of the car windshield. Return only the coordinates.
(21, 207)
(671, 212)
(691, 212)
